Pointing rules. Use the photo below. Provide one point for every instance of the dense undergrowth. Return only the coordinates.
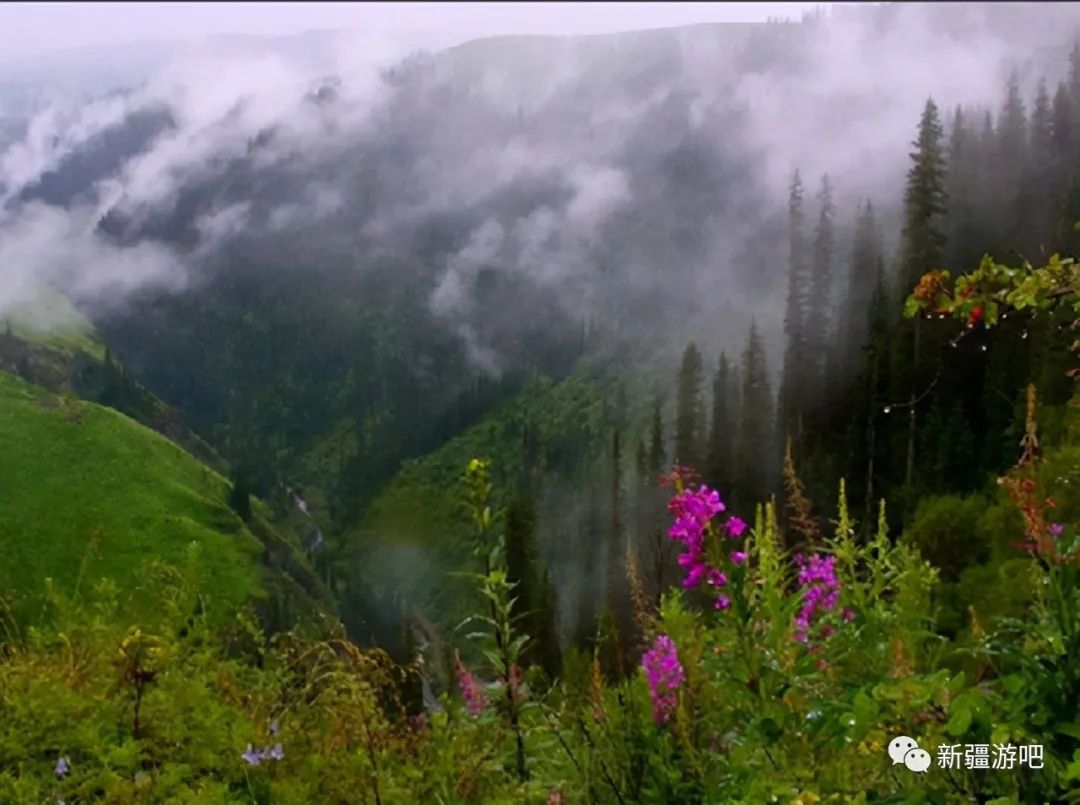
(772, 675)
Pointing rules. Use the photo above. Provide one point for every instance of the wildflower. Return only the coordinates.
(664, 674)
(277, 753)
(723, 602)
(63, 767)
(738, 557)
(471, 690)
(735, 527)
(252, 756)
(821, 594)
(848, 615)
(1056, 530)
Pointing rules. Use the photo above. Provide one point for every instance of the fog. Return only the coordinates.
(639, 177)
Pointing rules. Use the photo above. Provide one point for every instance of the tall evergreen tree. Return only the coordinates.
(536, 602)
(922, 247)
(794, 375)
(964, 192)
(1037, 189)
(688, 408)
(753, 441)
(1062, 125)
(924, 201)
(862, 283)
(819, 298)
(721, 431)
(656, 443)
(1014, 218)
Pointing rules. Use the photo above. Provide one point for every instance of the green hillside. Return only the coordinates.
(86, 493)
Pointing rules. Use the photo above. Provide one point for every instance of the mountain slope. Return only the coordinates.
(87, 493)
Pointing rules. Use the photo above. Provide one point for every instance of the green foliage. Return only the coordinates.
(946, 530)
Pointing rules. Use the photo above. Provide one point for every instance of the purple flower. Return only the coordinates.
(1056, 530)
(251, 756)
(738, 557)
(471, 690)
(821, 594)
(722, 602)
(276, 753)
(63, 767)
(664, 674)
(735, 527)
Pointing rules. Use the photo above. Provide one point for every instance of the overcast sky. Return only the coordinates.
(34, 29)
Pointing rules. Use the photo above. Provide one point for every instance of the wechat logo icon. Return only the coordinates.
(903, 749)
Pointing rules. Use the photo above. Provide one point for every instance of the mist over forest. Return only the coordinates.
(315, 345)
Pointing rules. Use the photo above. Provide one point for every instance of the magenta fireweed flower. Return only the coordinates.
(664, 674)
(821, 594)
(1056, 530)
(723, 602)
(471, 690)
(693, 510)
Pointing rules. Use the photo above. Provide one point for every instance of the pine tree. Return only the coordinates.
(862, 280)
(794, 370)
(1037, 190)
(1074, 82)
(924, 201)
(1014, 219)
(917, 342)
(535, 603)
(1062, 127)
(964, 189)
(688, 408)
(818, 307)
(754, 445)
(721, 432)
(656, 443)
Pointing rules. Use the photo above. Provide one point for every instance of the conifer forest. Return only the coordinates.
(608, 406)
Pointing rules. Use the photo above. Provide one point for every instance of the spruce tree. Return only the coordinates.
(1062, 127)
(794, 376)
(818, 306)
(656, 442)
(924, 201)
(1037, 190)
(721, 431)
(917, 342)
(862, 281)
(754, 443)
(535, 603)
(964, 190)
(688, 408)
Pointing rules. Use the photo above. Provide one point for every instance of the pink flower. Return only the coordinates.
(738, 557)
(471, 690)
(735, 527)
(665, 674)
(722, 602)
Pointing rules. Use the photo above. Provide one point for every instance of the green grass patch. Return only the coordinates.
(87, 493)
